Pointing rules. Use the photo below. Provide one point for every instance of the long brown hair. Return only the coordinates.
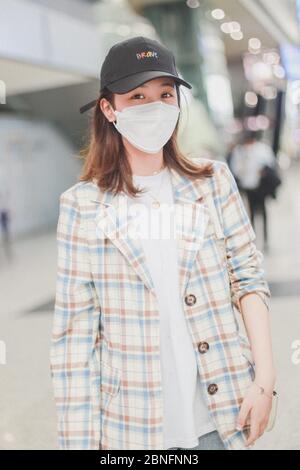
(105, 157)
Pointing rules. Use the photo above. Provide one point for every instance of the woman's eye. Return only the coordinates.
(138, 95)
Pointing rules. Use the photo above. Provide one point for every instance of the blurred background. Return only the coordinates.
(243, 60)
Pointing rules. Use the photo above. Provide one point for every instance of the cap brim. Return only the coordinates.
(127, 84)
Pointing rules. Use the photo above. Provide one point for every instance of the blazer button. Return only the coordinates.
(190, 299)
(212, 389)
(203, 347)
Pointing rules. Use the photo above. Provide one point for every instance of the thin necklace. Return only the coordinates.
(154, 172)
(158, 171)
(156, 203)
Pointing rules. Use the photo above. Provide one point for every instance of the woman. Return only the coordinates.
(146, 351)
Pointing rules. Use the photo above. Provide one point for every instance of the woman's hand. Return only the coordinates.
(256, 406)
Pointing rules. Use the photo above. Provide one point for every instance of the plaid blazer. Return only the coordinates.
(105, 351)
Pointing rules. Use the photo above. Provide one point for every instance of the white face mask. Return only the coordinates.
(149, 126)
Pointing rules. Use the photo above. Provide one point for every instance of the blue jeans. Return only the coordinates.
(209, 441)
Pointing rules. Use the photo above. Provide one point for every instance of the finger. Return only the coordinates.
(242, 416)
(254, 431)
(262, 427)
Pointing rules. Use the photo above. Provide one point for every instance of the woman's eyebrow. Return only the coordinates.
(168, 84)
(162, 84)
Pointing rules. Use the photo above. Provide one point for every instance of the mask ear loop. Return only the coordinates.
(113, 122)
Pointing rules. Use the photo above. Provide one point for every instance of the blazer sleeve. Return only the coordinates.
(244, 260)
(71, 339)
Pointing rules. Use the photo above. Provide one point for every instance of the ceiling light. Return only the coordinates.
(251, 99)
(278, 71)
(234, 26)
(237, 35)
(230, 27)
(225, 28)
(263, 122)
(251, 123)
(271, 58)
(269, 92)
(193, 3)
(254, 44)
(218, 14)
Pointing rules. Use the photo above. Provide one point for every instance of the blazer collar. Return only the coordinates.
(184, 190)
(191, 194)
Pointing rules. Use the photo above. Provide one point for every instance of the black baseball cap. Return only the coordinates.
(132, 62)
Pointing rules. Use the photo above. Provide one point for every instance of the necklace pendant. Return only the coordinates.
(155, 204)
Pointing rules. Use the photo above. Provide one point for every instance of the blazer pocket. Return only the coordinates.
(220, 242)
(109, 379)
(217, 243)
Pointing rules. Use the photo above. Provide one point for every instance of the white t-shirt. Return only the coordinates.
(186, 416)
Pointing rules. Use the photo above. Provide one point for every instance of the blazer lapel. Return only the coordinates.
(192, 215)
(115, 221)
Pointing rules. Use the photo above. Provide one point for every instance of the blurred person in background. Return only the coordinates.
(4, 212)
(249, 163)
(145, 350)
(229, 154)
